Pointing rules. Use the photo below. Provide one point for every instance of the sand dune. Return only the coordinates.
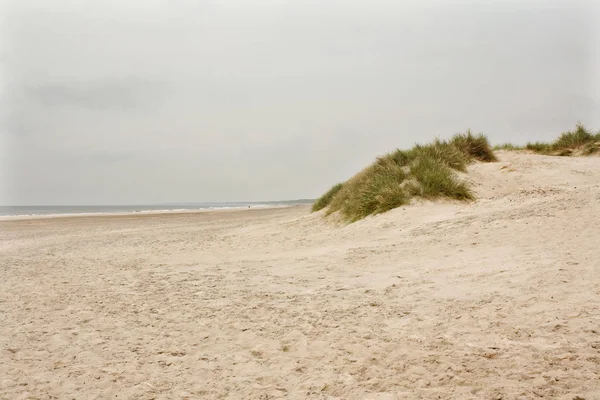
(497, 299)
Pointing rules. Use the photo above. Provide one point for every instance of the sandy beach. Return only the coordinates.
(495, 299)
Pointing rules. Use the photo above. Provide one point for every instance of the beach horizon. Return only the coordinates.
(10, 213)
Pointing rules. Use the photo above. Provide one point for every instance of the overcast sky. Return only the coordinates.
(145, 101)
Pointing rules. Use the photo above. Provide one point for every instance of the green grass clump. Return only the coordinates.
(577, 142)
(573, 139)
(374, 190)
(539, 147)
(324, 200)
(437, 179)
(476, 146)
(508, 146)
(426, 171)
(444, 153)
(402, 157)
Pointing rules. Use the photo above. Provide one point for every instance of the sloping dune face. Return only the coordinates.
(498, 298)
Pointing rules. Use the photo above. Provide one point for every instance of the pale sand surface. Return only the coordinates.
(498, 299)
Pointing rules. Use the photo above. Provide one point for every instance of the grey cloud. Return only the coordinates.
(101, 94)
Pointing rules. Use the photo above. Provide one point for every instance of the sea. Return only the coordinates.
(14, 211)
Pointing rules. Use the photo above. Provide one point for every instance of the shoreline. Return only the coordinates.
(149, 213)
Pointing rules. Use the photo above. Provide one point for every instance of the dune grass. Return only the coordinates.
(425, 171)
(374, 190)
(437, 180)
(508, 146)
(430, 171)
(579, 141)
(539, 147)
(442, 152)
(475, 146)
(324, 200)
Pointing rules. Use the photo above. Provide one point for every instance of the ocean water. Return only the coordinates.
(6, 211)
